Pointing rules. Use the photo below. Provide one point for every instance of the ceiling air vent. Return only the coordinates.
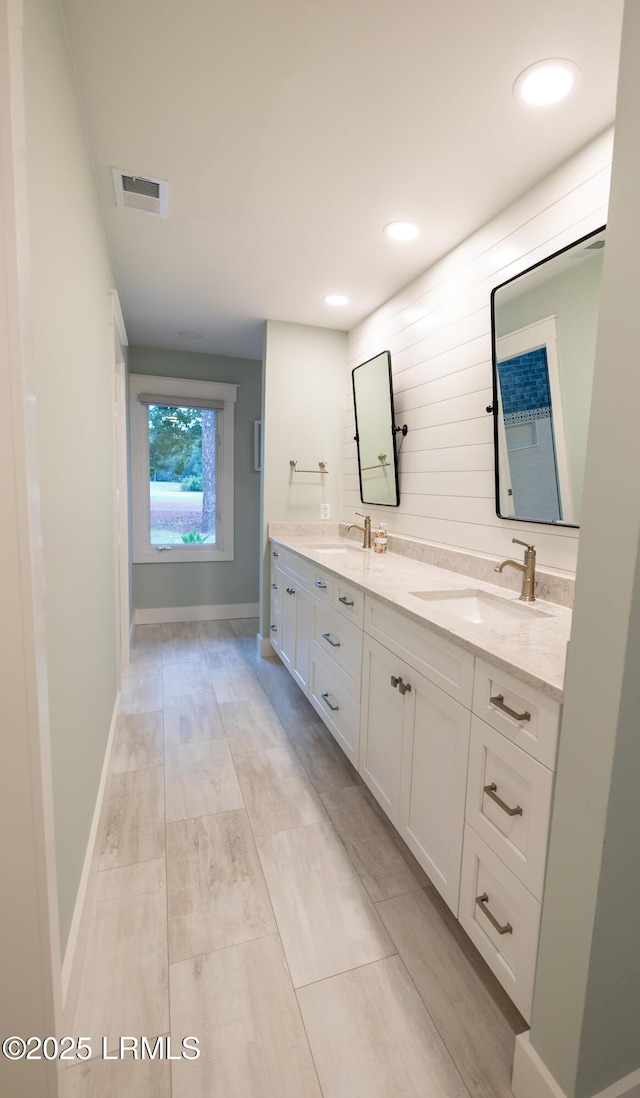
(141, 193)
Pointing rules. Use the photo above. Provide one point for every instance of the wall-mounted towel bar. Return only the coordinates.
(322, 467)
(382, 458)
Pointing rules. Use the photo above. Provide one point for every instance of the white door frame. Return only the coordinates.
(543, 333)
(120, 484)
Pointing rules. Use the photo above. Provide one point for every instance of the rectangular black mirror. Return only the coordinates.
(543, 325)
(375, 431)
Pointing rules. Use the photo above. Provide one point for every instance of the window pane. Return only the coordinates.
(182, 475)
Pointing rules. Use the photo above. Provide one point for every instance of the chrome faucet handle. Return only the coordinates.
(516, 541)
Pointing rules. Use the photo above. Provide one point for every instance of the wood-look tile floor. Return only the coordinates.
(252, 894)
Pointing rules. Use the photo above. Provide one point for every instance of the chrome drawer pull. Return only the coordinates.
(345, 601)
(395, 681)
(291, 590)
(274, 628)
(274, 554)
(274, 587)
(498, 701)
(490, 790)
(327, 637)
(482, 901)
(404, 687)
(320, 583)
(333, 708)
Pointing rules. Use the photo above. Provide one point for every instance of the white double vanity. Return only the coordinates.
(445, 694)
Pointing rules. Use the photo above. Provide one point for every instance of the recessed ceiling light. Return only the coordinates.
(335, 299)
(401, 230)
(186, 334)
(547, 82)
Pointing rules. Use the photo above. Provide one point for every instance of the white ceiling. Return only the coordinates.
(292, 131)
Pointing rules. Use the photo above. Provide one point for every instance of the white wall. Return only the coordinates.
(71, 276)
(304, 395)
(585, 1012)
(438, 330)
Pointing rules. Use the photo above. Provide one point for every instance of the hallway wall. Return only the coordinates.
(71, 275)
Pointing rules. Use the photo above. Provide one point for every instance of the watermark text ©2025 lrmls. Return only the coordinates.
(84, 1048)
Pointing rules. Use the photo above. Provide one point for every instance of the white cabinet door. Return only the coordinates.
(381, 728)
(434, 781)
(288, 621)
(294, 630)
(300, 669)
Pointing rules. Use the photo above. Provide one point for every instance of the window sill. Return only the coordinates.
(192, 554)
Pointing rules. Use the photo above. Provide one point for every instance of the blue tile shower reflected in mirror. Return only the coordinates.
(376, 431)
(543, 326)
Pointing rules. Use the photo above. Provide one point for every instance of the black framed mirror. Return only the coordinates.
(543, 326)
(375, 431)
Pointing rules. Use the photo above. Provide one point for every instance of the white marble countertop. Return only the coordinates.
(532, 648)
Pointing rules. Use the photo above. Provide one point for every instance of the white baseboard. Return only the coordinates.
(77, 940)
(195, 613)
(532, 1078)
(629, 1087)
(265, 648)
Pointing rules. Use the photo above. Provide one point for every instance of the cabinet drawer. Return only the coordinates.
(276, 590)
(275, 629)
(299, 567)
(339, 641)
(336, 705)
(276, 554)
(443, 663)
(523, 714)
(517, 828)
(502, 919)
(321, 584)
(348, 601)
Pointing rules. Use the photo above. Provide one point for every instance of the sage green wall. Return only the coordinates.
(585, 1012)
(70, 278)
(210, 583)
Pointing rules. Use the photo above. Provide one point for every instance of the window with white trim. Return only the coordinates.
(181, 469)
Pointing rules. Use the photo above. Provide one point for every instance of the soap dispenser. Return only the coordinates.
(380, 539)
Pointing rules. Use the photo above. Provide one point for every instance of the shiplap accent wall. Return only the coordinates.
(438, 330)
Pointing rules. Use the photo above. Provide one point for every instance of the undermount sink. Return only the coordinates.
(481, 608)
(334, 548)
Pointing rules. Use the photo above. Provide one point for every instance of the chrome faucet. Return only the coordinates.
(528, 570)
(366, 529)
